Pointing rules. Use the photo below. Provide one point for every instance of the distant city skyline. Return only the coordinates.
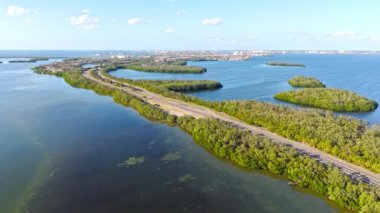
(189, 25)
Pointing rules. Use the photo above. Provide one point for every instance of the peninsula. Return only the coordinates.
(303, 145)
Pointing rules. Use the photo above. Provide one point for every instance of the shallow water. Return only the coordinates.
(85, 136)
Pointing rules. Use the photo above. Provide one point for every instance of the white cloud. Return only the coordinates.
(212, 21)
(171, 0)
(84, 21)
(181, 12)
(134, 21)
(28, 21)
(16, 11)
(344, 33)
(169, 30)
(86, 11)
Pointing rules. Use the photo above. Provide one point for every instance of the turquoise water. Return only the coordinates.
(84, 136)
(254, 80)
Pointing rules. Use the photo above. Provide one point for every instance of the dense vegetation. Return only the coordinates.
(179, 62)
(306, 82)
(285, 64)
(75, 79)
(255, 152)
(32, 60)
(167, 68)
(331, 99)
(345, 137)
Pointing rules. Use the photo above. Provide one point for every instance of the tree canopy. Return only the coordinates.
(306, 82)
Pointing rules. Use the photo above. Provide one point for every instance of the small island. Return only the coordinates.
(329, 99)
(285, 64)
(32, 60)
(306, 82)
(177, 67)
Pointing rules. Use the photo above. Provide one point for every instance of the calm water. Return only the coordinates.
(82, 137)
(255, 80)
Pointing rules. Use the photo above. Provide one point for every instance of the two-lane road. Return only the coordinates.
(181, 108)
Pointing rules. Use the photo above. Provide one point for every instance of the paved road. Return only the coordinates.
(181, 108)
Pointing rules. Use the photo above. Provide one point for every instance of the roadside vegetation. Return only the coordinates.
(306, 82)
(330, 99)
(345, 137)
(284, 64)
(259, 153)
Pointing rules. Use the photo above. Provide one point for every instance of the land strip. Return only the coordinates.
(180, 108)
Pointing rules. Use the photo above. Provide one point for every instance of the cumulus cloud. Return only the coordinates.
(86, 11)
(212, 21)
(344, 33)
(84, 21)
(134, 21)
(28, 21)
(16, 11)
(169, 30)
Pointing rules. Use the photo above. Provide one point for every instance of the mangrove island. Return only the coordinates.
(32, 60)
(331, 99)
(306, 82)
(284, 64)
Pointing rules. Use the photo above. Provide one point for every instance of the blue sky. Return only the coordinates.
(190, 24)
